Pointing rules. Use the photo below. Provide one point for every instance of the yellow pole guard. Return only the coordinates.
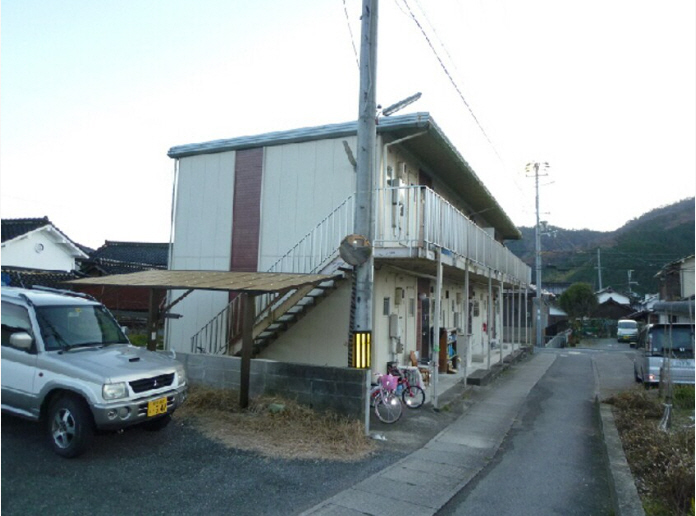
(362, 349)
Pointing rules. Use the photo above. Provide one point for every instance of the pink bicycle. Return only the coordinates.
(384, 399)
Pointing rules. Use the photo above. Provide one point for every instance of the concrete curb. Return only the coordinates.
(624, 493)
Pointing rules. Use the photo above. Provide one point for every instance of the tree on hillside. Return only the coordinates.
(578, 301)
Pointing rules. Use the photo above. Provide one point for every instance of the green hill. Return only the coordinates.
(642, 246)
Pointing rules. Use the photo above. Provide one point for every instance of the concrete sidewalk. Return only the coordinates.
(424, 481)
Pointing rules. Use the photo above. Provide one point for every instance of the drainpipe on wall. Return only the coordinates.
(436, 327)
(489, 305)
(170, 253)
(467, 330)
(502, 311)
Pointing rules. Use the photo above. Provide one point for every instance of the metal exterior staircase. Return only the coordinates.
(315, 253)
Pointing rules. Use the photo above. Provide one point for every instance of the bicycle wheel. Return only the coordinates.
(413, 396)
(388, 408)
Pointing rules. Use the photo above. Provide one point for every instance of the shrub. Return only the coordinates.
(661, 462)
(683, 397)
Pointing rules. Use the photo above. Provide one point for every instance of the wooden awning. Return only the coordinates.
(249, 282)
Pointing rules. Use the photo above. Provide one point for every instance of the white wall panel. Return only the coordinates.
(321, 337)
(202, 238)
(302, 184)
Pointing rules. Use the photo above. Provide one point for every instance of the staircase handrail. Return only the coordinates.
(265, 302)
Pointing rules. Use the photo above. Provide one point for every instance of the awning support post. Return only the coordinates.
(248, 304)
(152, 320)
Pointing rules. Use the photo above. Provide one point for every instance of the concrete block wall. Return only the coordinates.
(337, 389)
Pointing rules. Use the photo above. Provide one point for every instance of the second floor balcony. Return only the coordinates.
(410, 222)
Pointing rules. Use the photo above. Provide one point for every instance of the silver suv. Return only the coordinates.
(67, 362)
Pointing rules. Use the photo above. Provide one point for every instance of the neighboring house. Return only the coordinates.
(39, 245)
(556, 287)
(608, 294)
(283, 202)
(677, 283)
(645, 312)
(677, 280)
(28, 278)
(613, 310)
(129, 304)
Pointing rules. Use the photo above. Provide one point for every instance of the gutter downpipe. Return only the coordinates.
(488, 318)
(436, 328)
(170, 253)
(502, 312)
(467, 340)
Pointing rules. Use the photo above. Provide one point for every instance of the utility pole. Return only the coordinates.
(535, 167)
(599, 268)
(630, 292)
(367, 136)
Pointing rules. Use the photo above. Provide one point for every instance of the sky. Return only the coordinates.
(93, 93)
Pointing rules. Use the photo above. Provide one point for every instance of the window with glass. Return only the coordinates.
(65, 327)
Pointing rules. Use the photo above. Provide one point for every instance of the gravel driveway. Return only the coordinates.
(179, 471)
(175, 471)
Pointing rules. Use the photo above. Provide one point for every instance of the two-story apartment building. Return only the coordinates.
(284, 201)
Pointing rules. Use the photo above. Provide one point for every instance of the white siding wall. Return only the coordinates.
(202, 238)
(385, 285)
(23, 253)
(321, 338)
(302, 184)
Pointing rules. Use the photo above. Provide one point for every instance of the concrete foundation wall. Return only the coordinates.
(336, 389)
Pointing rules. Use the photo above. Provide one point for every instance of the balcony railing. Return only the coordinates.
(406, 217)
(415, 216)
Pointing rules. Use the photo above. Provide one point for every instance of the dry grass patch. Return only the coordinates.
(661, 462)
(275, 427)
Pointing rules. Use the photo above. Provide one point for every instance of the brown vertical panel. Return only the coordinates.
(246, 210)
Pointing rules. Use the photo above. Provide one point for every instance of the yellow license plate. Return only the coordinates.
(156, 407)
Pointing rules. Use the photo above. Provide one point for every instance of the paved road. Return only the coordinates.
(552, 461)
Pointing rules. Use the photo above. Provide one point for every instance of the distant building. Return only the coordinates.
(677, 280)
(37, 244)
(607, 294)
(129, 304)
(677, 284)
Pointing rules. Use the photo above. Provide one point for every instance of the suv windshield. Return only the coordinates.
(628, 325)
(64, 327)
(680, 339)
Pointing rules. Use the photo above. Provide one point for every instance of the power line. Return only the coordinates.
(515, 180)
(451, 79)
(350, 31)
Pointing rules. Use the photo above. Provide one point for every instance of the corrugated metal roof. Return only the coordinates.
(296, 135)
(252, 282)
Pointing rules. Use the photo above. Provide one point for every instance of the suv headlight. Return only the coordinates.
(182, 377)
(114, 391)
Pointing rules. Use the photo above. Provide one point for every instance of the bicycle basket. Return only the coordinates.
(389, 382)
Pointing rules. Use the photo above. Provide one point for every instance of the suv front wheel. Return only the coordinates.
(70, 427)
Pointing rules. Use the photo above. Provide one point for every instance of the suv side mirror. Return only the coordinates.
(21, 340)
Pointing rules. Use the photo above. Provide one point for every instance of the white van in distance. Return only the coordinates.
(627, 331)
